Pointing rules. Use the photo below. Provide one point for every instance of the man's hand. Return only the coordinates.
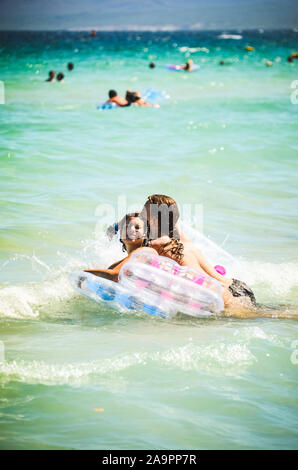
(162, 245)
(111, 231)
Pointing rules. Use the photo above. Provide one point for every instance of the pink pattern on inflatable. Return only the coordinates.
(199, 280)
(220, 269)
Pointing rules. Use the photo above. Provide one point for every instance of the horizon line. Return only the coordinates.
(151, 30)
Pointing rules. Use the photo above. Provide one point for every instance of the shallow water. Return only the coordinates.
(224, 142)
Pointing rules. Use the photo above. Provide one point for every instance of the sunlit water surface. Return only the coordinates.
(224, 141)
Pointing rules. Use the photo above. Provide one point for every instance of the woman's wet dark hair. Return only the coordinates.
(112, 93)
(60, 76)
(131, 96)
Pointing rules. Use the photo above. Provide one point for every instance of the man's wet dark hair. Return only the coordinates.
(112, 93)
(70, 66)
(165, 210)
(60, 77)
(152, 65)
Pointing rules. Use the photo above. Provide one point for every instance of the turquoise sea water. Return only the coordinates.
(224, 141)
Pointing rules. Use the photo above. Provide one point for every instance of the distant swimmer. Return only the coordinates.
(293, 56)
(93, 33)
(269, 63)
(188, 66)
(70, 66)
(152, 65)
(249, 48)
(118, 100)
(52, 76)
(134, 97)
(60, 77)
(222, 62)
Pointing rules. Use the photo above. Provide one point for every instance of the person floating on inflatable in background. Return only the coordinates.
(292, 57)
(135, 98)
(188, 66)
(118, 100)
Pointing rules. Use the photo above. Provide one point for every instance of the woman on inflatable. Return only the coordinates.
(157, 231)
(134, 97)
(132, 231)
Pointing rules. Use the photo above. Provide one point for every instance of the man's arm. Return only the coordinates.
(209, 269)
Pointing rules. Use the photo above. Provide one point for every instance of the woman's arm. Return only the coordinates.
(116, 264)
(109, 274)
(112, 273)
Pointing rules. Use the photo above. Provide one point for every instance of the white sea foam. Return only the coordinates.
(249, 333)
(217, 358)
(193, 49)
(211, 356)
(25, 301)
(275, 279)
(230, 36)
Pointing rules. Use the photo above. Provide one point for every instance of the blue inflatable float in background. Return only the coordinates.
(179, 68)
(107, 105)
